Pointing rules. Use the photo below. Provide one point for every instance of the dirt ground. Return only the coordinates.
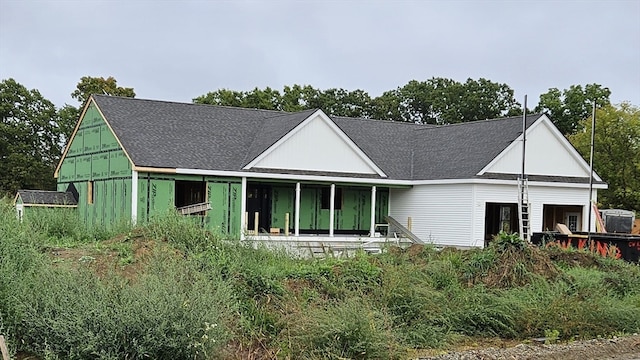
(621, 348)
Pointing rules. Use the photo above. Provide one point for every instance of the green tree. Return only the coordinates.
(616, 154)
(435, 101)
(446, 101)
(222, 97)
(338, 102)
(30, 138)
(67, 119)
(569, 107)
(98, 85)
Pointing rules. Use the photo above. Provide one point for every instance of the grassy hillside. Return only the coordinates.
(170, 290)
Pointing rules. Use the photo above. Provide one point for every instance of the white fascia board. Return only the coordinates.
(334, 127)
(292, 177)
(338, 179)
(563, 140)
(506, 182)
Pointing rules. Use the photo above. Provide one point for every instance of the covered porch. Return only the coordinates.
(290, 210)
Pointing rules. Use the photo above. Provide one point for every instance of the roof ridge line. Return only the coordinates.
(191, 103)
(480, 121)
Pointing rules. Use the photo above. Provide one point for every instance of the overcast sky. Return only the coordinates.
(177, 50)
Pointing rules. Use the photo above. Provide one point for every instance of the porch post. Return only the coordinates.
(134, 197)
(243, 207)
(297, 217)
(373, 211)
(332, 204)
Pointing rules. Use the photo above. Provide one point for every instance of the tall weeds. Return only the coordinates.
(200, 295)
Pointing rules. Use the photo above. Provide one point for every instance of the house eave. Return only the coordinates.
(507, 182)
(294, 177)
(50, 205)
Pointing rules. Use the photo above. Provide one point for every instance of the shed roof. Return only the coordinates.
(46, 198)
(194, 136)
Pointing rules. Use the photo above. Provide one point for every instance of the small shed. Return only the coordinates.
(42, 198)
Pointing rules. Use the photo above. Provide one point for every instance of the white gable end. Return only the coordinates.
(317, 144)
(547, 153)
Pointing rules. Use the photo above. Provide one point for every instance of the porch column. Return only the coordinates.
(134, 197)
(297, 217)
(243, 207)
(373, 211)
(332, 204)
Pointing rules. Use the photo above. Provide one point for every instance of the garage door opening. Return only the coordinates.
(570, 215)
(499, 217)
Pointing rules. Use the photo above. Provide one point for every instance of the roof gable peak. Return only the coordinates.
(316, 144)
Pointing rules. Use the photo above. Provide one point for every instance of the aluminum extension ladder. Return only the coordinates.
(524, 217)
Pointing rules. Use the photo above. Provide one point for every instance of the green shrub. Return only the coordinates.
(351, 329)
(170, 312)
(478, 312)
(415, 308)
(505, 241)
(181, 231)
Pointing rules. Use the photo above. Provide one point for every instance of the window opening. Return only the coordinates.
(326, 199)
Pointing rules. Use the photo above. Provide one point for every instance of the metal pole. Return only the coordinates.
(593, 136)
(524, 133)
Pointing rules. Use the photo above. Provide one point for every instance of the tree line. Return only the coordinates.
(33, 131)
(436, 101)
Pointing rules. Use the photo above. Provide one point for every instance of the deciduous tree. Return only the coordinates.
(435, 101)
(567, 108)
(98, 85)
(616, 155)
(30, 138)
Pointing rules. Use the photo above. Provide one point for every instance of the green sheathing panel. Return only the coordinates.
(356, 209)
(156, 195)
(224, 197)
(382, 205)
(310, 202)
(141, 216)
(235, 214)
(282, 202)
(95, 156)
(217, 218)
(354, 214)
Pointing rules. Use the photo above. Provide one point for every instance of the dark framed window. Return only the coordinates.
(326, 198)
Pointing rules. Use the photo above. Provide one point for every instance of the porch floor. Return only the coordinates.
(319, 245)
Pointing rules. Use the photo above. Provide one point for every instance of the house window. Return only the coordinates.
(572, 221)
(90, 192)
(326, 198)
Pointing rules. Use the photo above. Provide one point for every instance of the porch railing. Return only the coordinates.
(194, 208)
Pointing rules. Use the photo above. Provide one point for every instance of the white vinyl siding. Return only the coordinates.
(454, 214)
(316, 147)
(546, 155)
(441, 214)
(538, 197)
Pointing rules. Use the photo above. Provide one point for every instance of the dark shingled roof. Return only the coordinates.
(182, 135)
(460, 151)
(42, 197)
